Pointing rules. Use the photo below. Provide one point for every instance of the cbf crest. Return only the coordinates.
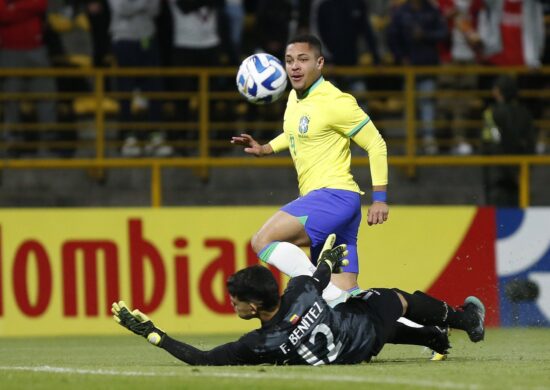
(303, 126)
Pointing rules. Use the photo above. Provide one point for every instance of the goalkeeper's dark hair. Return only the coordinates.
(310, 39)
(255, 284)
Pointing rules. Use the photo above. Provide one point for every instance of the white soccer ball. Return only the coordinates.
(261, 78)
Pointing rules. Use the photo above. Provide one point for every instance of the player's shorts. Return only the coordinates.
(327, 211)
(384, 309)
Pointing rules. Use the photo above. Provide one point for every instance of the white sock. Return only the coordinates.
(334, 295)
(291, 260)
(287, 258)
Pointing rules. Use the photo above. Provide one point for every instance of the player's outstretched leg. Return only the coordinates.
(433, 337)
(292, 261)
(427, 310)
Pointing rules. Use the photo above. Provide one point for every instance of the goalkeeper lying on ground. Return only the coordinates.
(300, 328)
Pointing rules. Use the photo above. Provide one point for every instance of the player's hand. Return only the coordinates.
(378, 213)
(334, 257)
(136, 322)
(251, 146)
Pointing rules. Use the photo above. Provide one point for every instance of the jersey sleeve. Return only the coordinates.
(279, 143)
(319, 280)
(346, 115)
(321, 276)
(352, 121)
(370, 139)
(230, 354)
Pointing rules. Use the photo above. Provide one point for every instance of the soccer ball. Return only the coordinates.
(261, 78)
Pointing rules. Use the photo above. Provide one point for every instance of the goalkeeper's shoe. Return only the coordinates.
(475, 312)
(136, 322)
(437, 357)
(334, 257)
(440, 344)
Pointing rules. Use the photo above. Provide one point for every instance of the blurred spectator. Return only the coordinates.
(234, 10)
(165, 34)
(196, 32)
(464, 43)
(385, 107)
(508, 129)
(69, 45)
(462, 48)
(546, 11)
(414, 32)
(135, 45)
(380, 11)
(22, 46)
(273, 24)
(197, 42)
(512, 32)
(341, 24)
(545, 84)
(99, 17)
(68, 19)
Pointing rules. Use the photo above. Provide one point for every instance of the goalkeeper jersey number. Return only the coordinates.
(306, 330)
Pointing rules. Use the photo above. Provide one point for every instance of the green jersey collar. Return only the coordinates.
(311, 88)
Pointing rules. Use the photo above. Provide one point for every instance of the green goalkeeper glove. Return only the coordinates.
(136, 322)
(334, 257)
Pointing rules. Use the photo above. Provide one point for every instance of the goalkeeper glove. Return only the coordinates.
(333, 257)
(136, 322)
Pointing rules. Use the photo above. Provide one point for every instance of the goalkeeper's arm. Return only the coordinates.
(330, 261)
(322, 275)
(235, 353)
(230, 354)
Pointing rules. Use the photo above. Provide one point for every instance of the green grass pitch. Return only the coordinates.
(507, 359)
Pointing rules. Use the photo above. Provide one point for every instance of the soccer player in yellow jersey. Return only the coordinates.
(319, 122)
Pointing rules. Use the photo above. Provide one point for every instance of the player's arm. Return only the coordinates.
(230, 354)
(368, 137)
(253, 147)
(234, 353)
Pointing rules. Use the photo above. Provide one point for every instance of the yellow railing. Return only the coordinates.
(204, 160)
(157, 164)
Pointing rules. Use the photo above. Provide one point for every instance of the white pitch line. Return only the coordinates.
(244, 375)
(81, 371)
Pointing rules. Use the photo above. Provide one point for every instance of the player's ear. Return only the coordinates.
(320, 62)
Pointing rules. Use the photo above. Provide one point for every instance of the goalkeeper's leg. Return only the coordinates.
(427, 310)
(433, 337)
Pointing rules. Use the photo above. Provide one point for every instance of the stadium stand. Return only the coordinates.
(206, 169)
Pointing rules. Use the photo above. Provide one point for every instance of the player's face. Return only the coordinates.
(244, 310)
(303, 65)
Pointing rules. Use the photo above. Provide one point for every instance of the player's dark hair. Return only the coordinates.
(311, 40)
(255, 284)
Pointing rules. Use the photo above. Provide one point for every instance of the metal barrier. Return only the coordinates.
(204, 96)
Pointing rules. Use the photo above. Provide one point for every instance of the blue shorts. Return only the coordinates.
(327, 211)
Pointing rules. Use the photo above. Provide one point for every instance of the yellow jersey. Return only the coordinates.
(317, 130)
